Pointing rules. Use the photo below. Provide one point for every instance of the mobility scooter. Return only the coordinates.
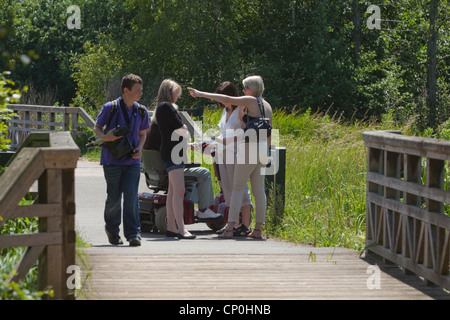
(152, 205)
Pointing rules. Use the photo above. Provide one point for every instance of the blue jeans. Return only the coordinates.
(122, 180)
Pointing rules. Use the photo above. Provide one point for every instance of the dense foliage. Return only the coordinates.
(41, 29)
(311, 54)
(8, 94)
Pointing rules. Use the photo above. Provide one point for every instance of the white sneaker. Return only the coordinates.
(208, 214)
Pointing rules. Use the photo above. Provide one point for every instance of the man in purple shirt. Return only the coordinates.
(122, 175)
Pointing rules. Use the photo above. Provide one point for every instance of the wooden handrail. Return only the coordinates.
(53, 166)
(31, 118)
(408, 203)
(34, 118)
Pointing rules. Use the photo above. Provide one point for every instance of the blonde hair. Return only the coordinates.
(255, 84)
(166, 93)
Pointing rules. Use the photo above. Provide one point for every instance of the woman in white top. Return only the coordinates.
(229, 126)
(253, 170)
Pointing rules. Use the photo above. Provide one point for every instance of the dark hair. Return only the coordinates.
(228, 88)
(130, 80)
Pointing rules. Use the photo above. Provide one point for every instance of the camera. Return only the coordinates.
(119, 131)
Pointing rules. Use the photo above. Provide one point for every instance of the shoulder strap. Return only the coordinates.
(114, 107)
(125, 113)
(142, 111)
(113, 112)
(261, 107)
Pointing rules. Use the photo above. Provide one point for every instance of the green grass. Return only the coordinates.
(325, 181)
(325, 192)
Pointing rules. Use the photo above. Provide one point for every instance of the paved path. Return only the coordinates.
(165, 268)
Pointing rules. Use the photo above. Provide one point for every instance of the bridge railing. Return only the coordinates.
(30, 118)
(408, 203)
(50, 159)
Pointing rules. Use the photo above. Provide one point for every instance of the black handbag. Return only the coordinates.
(258, 124)
(122, 147)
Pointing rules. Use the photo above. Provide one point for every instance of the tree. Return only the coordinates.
(432, 64)
(316, 55)
(41, 26)
(97, 74)
(8, 94)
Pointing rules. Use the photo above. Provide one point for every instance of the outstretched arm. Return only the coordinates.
(222, 98)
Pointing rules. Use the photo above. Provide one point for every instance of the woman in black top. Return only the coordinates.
(171, 126)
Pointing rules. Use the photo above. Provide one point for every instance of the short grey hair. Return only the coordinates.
(254, 83)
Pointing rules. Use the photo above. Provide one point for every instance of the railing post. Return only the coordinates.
(66, 120)
(275, 184)
(50, 268)
(436, 235)
(39, 119)
(68, 226)
(412, 173)
(75, 117)
(15, 133)
(52, 120)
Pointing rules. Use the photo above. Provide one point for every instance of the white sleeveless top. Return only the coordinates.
(228, 128)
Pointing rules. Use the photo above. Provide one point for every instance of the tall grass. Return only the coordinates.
(325, 178)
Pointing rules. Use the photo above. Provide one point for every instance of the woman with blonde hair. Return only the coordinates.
(229, 124)
(171, 125)
(250, 105)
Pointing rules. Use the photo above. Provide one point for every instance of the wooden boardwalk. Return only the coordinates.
(249, 277)
(210, 269)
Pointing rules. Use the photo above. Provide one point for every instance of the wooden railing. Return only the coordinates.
(50, 159)
(31, 118)
(408, 203)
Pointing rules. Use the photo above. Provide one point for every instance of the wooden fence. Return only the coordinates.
(50, 159)
(30, 118)
(408, 203)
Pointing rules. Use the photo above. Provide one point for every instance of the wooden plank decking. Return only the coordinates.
(249, 277)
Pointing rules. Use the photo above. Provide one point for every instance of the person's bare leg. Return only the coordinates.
(171, 223)
(256, 233)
